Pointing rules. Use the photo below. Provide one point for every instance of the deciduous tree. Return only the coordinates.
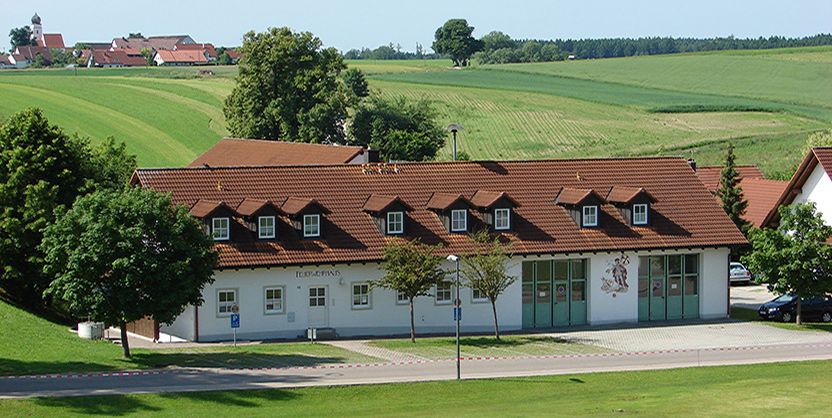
(412, 270)
(148, 53)
(454, 38)
(399, 128)
(121, 255)
(21, 36)
(486, 271)
(287, 89)
(794, 257)
(356, 82)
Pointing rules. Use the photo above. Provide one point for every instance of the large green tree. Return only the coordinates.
(42, 169)
(412, 269)
(287, 89)
(454, 39)
(486, 271)
(399, 128)
(356, 82)
(730, 192)
(21, 36)
(121, 255)
(794, 258)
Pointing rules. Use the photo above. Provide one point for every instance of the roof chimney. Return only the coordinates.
(692, 163)
(371, 156)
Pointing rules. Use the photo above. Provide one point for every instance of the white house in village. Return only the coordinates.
(810, 183)
(595, 241)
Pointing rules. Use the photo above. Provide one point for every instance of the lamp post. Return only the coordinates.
(454, 127)
(457, 310)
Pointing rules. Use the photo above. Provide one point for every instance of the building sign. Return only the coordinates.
(317, 273)
(615, 277)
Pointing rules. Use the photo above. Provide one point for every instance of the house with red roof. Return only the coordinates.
(812, 182)
(206, 49)
(230, 152)
(180, 57)
(760, 193)
(114, 58)
(593, 241)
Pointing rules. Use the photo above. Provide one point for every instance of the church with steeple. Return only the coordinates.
(51, 40)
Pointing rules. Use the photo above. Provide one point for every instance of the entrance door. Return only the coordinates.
(543, 294)
(561, 308)
(674, 287)
(577, 297)
(528, 294)
(657, 289)
(318, 310)
(554, 293)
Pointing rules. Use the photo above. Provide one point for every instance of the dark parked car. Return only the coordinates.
(784, 308)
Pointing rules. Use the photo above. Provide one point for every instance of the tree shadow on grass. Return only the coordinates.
(238, 398)
(98, 405)
(489, 342)
(158, 359)
(11, 367)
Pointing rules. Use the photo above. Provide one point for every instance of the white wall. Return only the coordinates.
(713, 283)
(614, 306)
(818, 189)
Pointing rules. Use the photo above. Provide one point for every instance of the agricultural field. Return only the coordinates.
(766, 102)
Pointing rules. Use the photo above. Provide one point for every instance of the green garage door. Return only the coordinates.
(668, 287)
(554, 293)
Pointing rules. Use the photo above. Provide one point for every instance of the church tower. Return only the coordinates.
(37, 29)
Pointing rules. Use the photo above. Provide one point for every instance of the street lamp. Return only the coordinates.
(454, 127)
(457, 302)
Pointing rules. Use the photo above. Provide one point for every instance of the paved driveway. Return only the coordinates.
(750, 297)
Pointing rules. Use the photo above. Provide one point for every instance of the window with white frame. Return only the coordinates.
(477, 296)
(401, 298)
(273, 298)
(590, 216)
(311, 225)
(444, 292)
(395, 222)
(226, 298)
(361, 296)
(220, 229)
(459, 220)
(502, 218)
(265, 227)
(640, 214)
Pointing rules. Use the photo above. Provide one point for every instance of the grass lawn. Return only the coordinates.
(509, 346)
(42, 347)
(752, 315)
(770, 390)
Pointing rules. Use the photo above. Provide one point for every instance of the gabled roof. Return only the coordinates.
(182, 56)
(203, 208)
(295, 205)
(102, 57)
(250, 206)
(443, 201)
(484, 199)
(623, 194)
(685, 214)
(817, 156)
(710, 174)
(208, 48)
(155, 43)
(29, 52)
(572, 196)
(52, 40)
(762, 195)
(380, 203)
(254, 152)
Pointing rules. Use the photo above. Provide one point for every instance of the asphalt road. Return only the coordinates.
(226, 379)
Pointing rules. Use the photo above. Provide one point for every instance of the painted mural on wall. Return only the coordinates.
(614, 280)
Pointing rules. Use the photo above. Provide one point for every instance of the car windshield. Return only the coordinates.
(784, 298)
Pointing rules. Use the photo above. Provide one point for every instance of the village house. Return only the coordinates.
(810, 183)
(181, 57)
(760, 193)
(594, 241)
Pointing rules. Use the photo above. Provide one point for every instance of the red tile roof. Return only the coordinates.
(686, 214)
(30, 53)
(485, 199)
(296, 205)
(52, 40)
(710, 174)
(253, 152)
(572, 196)
(203, 208)
(817, 156)
(209, 48)
(443, 201)
(762, 196)
(621, 194)
(182, 56)
(379, 203)
(102, 57)
(249, 207)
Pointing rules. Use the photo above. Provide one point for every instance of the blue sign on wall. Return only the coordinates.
(235, 321)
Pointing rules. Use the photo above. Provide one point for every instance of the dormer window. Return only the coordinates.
(388, 213)
(590, 216)
(502, 219)
(495, 208)
(395, 223)
(311, 226)
(265, 227)
(640, 214)
(220, 229)
(583, 205)
(306, 216)
(633, 204)
(459, 220)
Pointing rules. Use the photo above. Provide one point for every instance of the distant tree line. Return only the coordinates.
(390, 52)
(499, 48)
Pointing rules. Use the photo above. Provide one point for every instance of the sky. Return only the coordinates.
(371, 23)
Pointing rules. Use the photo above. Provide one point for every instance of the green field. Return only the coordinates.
(596, 108)
(769, 390)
